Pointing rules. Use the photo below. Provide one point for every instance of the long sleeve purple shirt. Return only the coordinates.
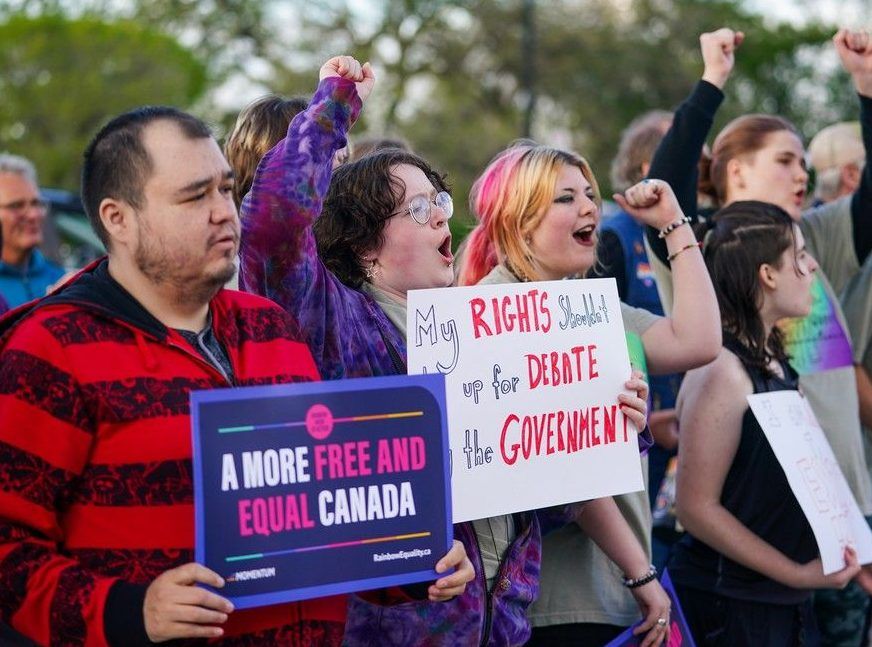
(344, 328)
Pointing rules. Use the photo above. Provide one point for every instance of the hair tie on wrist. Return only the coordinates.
(636, 582)
(672, 256)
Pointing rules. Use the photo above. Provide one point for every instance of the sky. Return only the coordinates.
(854, 14)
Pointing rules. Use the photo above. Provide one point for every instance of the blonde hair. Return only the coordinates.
(262, 124)
(510, 199)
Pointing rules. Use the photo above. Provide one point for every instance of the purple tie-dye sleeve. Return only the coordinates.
(278, 257)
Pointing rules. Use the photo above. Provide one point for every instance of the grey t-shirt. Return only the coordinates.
(828, 233)
(210, 349)
(857, 303)
(578, 583)
(393, 309)
(829, 237)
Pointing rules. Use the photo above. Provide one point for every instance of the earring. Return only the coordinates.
(369, 272)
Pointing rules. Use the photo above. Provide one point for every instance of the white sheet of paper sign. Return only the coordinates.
(514, 433)
(814, 476)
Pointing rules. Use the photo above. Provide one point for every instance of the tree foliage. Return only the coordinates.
(64, 77)
(453, 78)
(452, 73)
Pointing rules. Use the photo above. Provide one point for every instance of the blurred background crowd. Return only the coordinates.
(572, 72)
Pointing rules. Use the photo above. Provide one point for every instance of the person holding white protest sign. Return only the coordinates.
(342, 260)
(538, 209)
(747, 567)
(761, 157)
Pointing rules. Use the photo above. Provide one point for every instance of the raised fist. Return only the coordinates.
(348, 67)
(718, 54)
(651, 201)
(855, 50)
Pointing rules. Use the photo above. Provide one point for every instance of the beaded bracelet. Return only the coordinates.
(672, 256)
(672, 226)
(636, 582)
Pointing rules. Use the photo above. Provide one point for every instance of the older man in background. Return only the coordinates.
(837, 156)
(25, 274)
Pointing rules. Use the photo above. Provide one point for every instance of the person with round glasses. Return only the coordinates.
(420, 207)
(340, 262)
(25, 274)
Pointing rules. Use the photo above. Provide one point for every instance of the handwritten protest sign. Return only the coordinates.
(814, 476)
(306, 490)
(532, 374)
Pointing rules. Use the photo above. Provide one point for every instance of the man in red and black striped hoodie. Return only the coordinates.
(96, 498)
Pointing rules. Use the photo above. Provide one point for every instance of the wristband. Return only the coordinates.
(636, 582)
(672, 256)
(672, 226)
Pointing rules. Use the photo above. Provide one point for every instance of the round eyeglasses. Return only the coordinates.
(421, 208)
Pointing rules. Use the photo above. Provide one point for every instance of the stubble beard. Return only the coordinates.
(163, 270)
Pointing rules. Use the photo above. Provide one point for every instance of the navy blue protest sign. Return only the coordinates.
(308, 490)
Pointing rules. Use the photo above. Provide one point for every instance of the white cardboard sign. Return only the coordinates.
(814, 476)
(532, 376)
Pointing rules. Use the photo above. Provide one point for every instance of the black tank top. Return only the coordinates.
(757, 493)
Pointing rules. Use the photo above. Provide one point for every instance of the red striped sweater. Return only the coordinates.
(96, 494)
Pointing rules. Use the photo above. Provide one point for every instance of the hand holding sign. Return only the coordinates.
(635, 407)
(655, 605)
(452, 585)
(674, 632)
(864, 578)
(811, 575)
(842, 535)
(175, 608)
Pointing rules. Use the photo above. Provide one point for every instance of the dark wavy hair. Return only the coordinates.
(744, 236)
(116, 163)
(361, 198)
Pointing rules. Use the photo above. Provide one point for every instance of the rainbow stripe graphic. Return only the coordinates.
(341, 544)
(817, 342)
(302, 423)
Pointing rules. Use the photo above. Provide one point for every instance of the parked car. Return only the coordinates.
(68, 238)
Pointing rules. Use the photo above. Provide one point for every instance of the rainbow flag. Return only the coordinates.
(636, 350)
(817, 342)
